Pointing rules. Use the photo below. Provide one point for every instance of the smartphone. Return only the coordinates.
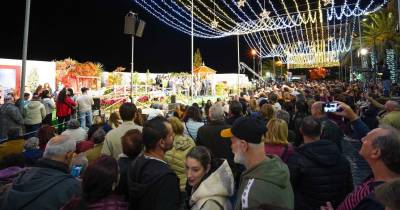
(76, 170)
(331, 107)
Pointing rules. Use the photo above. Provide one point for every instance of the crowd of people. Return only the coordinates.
(304, 146)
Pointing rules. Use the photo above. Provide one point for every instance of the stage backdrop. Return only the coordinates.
(37, 73)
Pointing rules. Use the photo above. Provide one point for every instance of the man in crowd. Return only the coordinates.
(210, 137)
(381, 149)
(266, 179)
(152, 184)
(392, 116)
(112, 145)
(10, 117)
(318, 171)
(85, 103)
(330, 130)
(49, 185)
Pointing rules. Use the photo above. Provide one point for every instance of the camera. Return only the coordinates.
(331, 107)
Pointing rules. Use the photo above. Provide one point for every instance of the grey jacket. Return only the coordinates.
(10, 117)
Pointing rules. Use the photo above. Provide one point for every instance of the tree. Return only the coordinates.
(198, 60)
(33, 80)
(379, 33)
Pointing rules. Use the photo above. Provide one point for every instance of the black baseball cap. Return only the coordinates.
(248, 129)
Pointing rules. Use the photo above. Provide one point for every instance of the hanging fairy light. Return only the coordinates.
(214, 23)
(241, 3)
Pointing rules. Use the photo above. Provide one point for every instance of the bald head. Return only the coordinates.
(392, 106)
(317, 109)
(59, 146)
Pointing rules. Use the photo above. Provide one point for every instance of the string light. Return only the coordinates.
(315, 35)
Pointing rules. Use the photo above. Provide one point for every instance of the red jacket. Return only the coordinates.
(63, 109)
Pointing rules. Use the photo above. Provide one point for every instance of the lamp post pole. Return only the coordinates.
(25, 50)
(132, 65)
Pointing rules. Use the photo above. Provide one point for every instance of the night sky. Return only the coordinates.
(92, 30)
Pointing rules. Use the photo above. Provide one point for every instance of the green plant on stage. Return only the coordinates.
(135, 78)
(220, 89)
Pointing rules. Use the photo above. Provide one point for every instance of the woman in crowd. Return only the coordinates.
(32, 152)
(192, 121)
(176, 156)
(97, 138)
(132, 146)
(115, 120)
(98, 183)
(45, 133)
(275, 140)
(49, 105)
(34, 113)
(210, 183)
(65, 106)
(268, 112)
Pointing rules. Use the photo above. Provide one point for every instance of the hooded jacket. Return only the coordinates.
(319, 173)
(177, 155)
(213, 193)
(152, 185)
(48, 186)
(266, 183)
(34, 113)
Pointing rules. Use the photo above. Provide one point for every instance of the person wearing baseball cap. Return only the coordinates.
(266, 179)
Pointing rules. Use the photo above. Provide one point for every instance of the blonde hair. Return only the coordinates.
(253, 105)
(277, 132)
(97, 120)
(176, 125)
(267, 111)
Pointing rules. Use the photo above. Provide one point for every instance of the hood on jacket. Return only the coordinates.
(272, 170)
(35, 181)
(33, 104)
(323, 152)
(218, 185)
(182, 142)
(144, 173)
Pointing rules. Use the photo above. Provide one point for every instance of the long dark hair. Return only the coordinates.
(97, 183)
(193, 113)
(45, 94)
(62, 95)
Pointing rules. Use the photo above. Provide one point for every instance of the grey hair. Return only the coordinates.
(389, 145)
(216, 112)
(59, 145)
(283, 115)
(73, 124)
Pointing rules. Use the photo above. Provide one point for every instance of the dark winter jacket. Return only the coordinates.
(47, 186)
(210, 136)
(319, 173)
(111, 202)
(152, 185)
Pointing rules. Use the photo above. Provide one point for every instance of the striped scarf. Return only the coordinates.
(355, 197)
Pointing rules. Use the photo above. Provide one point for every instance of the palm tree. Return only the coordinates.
(379, 33)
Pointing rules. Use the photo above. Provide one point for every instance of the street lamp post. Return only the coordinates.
(133, 27)
(25, 49)
(253, 53)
